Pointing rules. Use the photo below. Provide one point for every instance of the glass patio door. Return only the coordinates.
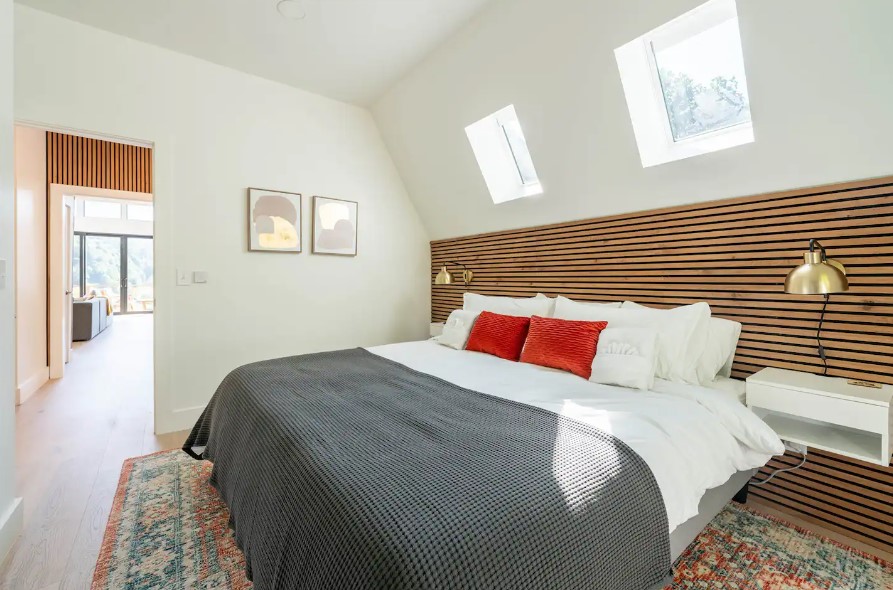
(102, 268)
(117, 267)
(139, 291)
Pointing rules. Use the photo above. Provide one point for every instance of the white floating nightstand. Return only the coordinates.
(825, 413)
(436, 329)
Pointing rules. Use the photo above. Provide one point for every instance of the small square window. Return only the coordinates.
(685, 85)
(140, 212)
(102, 209)
(502, 154)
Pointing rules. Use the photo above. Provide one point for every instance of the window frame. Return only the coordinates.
(497, 157)
(639, 57)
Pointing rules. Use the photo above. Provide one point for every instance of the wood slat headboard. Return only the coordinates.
(95, 163)
(734, 254)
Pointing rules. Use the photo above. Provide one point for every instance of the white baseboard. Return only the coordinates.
(29, 386)
(10, 527)
(178, 420)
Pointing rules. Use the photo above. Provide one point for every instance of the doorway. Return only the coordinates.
(99, 265)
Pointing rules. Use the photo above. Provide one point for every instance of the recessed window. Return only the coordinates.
(102, 209)
(502, 154)
(685, 85)
(140, 212)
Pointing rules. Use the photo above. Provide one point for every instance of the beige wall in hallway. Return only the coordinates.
(31, 261)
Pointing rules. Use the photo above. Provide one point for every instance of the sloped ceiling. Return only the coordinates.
(818, 75)
(350, 50)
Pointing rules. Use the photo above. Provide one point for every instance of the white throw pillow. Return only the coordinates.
(626, 357)
(551, 301)
(693, 341)
(514, 306)
(457, 329)
(720, 341)
(613, 304)
(681, 332)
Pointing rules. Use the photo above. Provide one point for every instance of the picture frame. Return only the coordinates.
(275, 221)
(334, 226)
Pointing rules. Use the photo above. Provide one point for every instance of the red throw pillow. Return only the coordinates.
(499, 335)
(562, 344)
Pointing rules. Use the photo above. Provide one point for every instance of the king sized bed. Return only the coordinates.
(420, 466)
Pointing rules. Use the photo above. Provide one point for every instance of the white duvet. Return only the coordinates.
(692, 438)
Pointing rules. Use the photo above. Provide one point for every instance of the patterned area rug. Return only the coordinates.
(169, 529)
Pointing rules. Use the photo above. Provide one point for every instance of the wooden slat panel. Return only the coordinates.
(95, 163)
(734, 254)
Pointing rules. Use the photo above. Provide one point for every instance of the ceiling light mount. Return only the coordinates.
(291, 9)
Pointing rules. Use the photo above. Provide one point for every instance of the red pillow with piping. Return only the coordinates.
(568, 345)
(499, 335)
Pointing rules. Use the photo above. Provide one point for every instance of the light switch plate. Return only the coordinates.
(200, 277)
(183, 278)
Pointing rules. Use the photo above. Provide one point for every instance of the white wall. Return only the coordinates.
(32, 369)
(820, 85)
(10, 506)
(217, 132)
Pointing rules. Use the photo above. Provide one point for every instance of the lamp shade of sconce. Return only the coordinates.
(818, 275)
(445, 278)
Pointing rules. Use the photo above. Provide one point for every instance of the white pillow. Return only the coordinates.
(721, 340)
(681, 332)
(551, 301)
(514, 306)
(457, 329)
(625, 357)
(613, 304)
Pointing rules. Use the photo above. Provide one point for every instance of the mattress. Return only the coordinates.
(692, 438)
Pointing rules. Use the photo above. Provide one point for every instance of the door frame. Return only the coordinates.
(82, 235)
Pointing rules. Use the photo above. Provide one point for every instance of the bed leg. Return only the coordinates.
(741, 496)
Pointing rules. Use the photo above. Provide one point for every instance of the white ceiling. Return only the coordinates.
(351, 50)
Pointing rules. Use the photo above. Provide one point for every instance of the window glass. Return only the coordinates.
(76, 266)
(103, 268)
(140, 212)
(102, 209)
(702, 80)
(520, 153)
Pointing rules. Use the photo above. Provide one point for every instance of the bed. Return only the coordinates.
(423, 475)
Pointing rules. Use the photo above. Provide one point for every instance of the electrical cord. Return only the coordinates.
(818, 336)
(777, 471)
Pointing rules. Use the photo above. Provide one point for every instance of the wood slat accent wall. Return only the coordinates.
(734, 254)
(95, 163)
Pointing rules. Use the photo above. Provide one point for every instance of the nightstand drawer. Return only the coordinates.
(804, 404)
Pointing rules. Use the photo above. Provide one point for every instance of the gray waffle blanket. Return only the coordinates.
(345, 470)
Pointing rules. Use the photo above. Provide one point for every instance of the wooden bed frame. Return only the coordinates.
(734, 254)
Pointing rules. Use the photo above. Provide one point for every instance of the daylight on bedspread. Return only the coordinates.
(451, 294)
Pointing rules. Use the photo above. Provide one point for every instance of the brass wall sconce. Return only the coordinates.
(818, 275)
(445, 278)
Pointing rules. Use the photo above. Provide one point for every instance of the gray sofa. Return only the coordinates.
(89, 319)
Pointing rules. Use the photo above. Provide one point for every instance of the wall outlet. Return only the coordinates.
(183, 278)
(796, 447)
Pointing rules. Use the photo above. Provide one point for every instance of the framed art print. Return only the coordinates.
(334, 226)
(274, 221)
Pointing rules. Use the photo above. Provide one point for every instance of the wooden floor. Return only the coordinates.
(71, 438)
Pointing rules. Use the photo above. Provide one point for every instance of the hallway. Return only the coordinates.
(71, 438)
